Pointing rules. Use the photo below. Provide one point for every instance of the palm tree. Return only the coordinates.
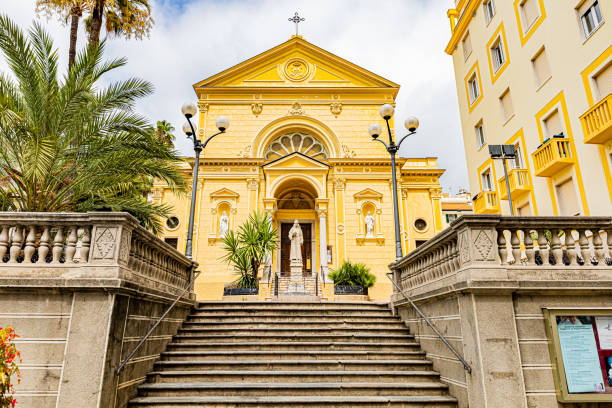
(121, 17)
(164, 132)
(71, 143)
(69, 9)
(247, 248)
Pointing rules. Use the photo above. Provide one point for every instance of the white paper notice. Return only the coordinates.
(604, 330)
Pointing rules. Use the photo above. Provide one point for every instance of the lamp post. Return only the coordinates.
(189, 109)
(504, 152)
(411, 123)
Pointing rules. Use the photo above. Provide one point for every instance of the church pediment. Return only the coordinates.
(296, 63)
(368, 193)
(295, 161)
(224, 193)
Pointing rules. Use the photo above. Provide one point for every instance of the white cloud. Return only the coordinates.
(402, 40)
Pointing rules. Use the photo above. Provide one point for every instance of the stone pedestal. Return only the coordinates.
(296, 284)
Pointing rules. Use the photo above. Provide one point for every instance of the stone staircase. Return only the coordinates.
(300, 354)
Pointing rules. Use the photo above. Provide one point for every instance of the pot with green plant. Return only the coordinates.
(352, 279)
(246, 250)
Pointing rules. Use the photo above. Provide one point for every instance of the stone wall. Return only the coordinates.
(486, 282)
(81, 290)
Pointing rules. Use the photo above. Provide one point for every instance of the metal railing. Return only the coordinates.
(189, 287)
(276, 284)
(430, 324)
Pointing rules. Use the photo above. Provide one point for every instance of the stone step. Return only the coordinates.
(297, 401)
(291, 325)
(275, 319)
(295, 346)
(353, 364)
(299, 376)
(233, 389)
(356, 312)
(291, 306)
(197, 355)
(295, 330)
(323, 337)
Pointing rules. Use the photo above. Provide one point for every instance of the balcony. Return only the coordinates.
(597, 122)
(486, 203)
(519, 184)
(552, 156)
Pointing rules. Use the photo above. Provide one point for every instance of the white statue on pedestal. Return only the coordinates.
(223, 224)
(297, 240)
(369, 221)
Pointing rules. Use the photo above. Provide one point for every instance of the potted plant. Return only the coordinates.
(246, 250)
(352, 279)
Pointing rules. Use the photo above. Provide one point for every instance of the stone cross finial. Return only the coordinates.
(297, 20)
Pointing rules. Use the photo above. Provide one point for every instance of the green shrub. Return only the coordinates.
(357, 274)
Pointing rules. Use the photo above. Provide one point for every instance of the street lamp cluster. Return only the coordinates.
(189, 110)
(375, 130)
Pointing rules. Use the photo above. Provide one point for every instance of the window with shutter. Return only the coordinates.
(553, 124)
(590, 15)
(541, 67)
(530, 11)
(506, 105)
(603, 81)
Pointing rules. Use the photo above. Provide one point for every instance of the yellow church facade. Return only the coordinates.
(298, 149)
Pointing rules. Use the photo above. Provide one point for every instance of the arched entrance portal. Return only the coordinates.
(296, 199)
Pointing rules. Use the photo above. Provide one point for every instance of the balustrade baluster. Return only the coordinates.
(556, 247)
(43, 246)
(71, 242)
(85, 245)
(4, 241)
(456, 259)
(570, 247)
(583, 241)
(58, 245)
(529, 252)
(16, 242)
(30, 246)
(543, 247)
(501, 246)
(598, 246)
(515, 243)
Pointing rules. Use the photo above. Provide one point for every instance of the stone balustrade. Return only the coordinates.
(514, 241)
(487, 282)
(56, 245)
(81, 290)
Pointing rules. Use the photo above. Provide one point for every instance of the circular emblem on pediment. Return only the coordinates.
(296, 69)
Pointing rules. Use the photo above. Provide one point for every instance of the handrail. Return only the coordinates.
(430, 324)
(141, 342)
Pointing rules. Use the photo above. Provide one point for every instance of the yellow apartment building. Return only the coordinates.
(536, 74)
(298, 148)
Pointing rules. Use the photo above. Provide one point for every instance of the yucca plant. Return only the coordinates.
(247, 248)
(351, 274)
(69, 142)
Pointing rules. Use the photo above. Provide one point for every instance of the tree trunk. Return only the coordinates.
(97, 15)
(74, 30)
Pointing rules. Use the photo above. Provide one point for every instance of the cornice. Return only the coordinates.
(462, 23)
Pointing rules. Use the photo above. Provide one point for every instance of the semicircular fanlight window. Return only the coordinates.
(296, 142)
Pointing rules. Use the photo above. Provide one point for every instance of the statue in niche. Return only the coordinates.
(297, 240)
(369, 222)
(223, 224)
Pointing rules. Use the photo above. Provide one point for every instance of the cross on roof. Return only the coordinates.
(297, 20)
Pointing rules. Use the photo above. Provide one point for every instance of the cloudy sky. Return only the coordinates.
(402, 40)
